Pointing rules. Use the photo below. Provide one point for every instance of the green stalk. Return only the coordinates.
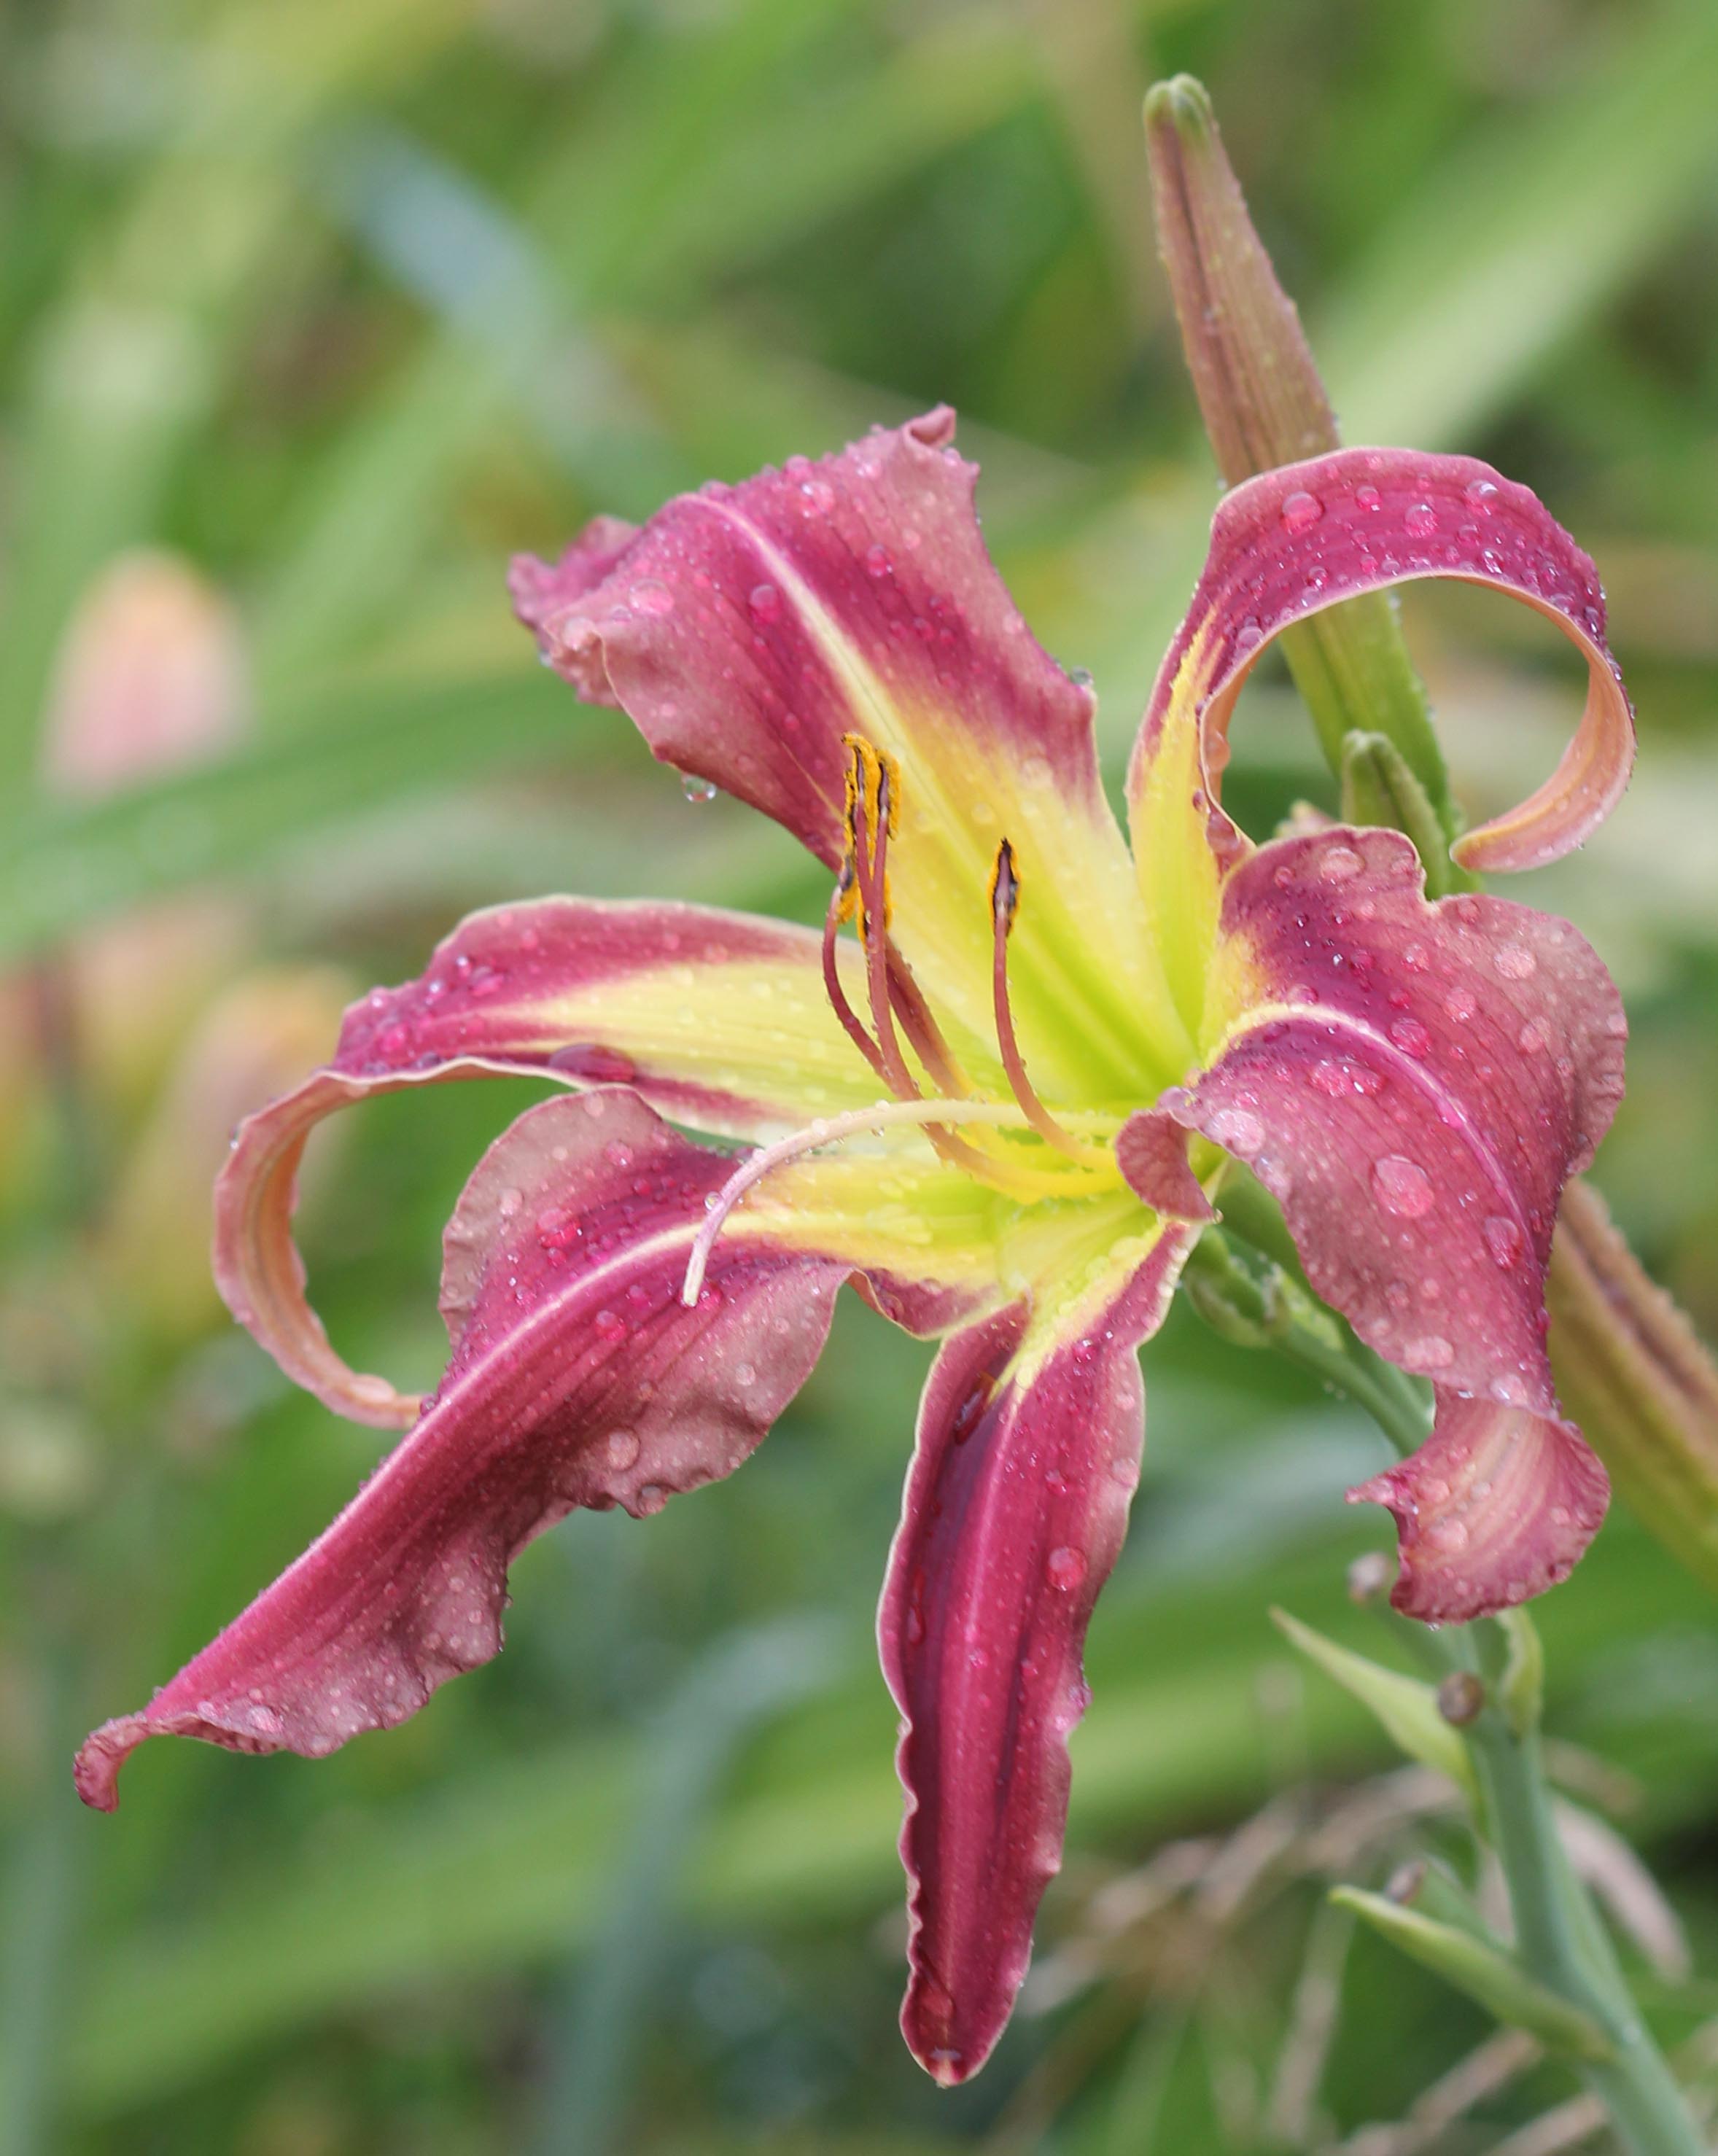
(1559, 1937)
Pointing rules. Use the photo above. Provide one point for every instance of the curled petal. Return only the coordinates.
(256, 1037)
(1016, 1506)
(540, 590)
(749, 630)
(577, 1378)
(1151, 1152)
(1292, 541)
(1415, 1082)
(1496, 1505)
(718, 1018)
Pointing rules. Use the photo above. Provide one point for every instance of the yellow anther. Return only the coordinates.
(873, 788)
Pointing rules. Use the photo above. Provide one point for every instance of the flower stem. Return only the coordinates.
(1561, 1941)
(1559, 1937)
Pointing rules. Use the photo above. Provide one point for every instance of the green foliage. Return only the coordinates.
(344, 300)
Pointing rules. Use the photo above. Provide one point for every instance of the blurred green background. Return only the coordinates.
(337, 302)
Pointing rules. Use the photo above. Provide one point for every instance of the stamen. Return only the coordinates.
(921, 1029)
(874, 816)
(840, 904)
(1004, 898)
(885, 1115)
(873, 788)
(861, 894)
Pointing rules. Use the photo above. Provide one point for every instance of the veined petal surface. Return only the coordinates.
(1496, 1505)
(1027, 1457)
(577, 1378)
(1414, 1081)
(1293, 541)
(719, 1019)
(747, 630)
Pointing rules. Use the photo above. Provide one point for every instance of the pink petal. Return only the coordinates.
(720, 1019)
(1304, 537)
(748, 629)
(540, 589)
(1496, 1505)
(728, 631)
(1016, 1507)
(577, 1378)
(1151, 1152)
(662, 997)
(1415, 1082)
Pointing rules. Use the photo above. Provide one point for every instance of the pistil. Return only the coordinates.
(1004, 899)
(840, 906)
(861, 896)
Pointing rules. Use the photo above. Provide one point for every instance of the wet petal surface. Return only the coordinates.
(1027, 1457)
(719, 1019)
(749, 630)
(1415, 1082)
(577, 1378)
(1496, 1505)
(1294, 541)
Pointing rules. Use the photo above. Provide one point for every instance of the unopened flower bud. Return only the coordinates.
(1461, 1698)
(1632, 1373)
(1260, 393)
(1264, 404)
(150, 676)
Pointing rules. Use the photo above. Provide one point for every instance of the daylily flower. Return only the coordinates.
(1002, 1108)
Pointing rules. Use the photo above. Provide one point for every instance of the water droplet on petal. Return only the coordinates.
(1481, 493)
(1410, 1036)
(1301, 510)
(1502, 1239)
(1402, 1185)
(1337, 864)
(1237, 1131)
(622, 1448)
(1430, 1351)
(765, 602)
(1516, 962)
(695, 788)
(1421, 520)
(650, 597)
(1065, 1568)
